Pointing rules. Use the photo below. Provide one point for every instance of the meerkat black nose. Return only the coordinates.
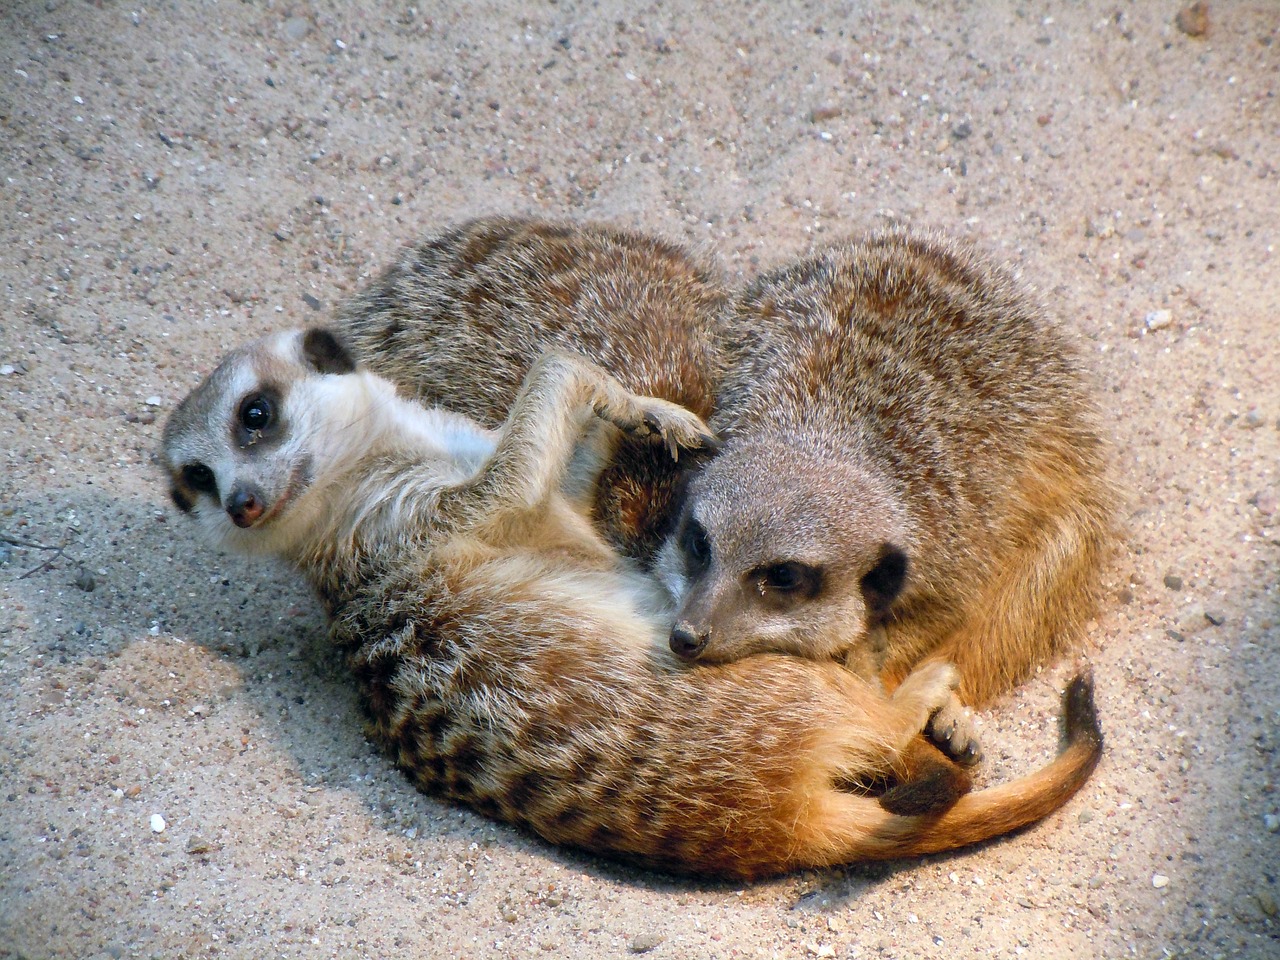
(244, 507)
(687, 641)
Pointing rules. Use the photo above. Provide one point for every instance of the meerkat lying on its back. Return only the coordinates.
(460, 318)
(513, 661)
(911, 469)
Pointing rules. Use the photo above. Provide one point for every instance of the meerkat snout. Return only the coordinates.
(688, 641)
(245, 506)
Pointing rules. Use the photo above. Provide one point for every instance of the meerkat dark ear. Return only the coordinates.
(325, 352)
(884, 581)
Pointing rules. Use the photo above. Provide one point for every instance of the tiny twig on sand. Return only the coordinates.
(59, 551)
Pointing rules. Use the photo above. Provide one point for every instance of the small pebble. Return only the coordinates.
(1096, 881)
(1173, 581)
(1247, 909)
(312, 302)
(1271, 822)
(1265, 501)
(1159, 319)
(1159, 881)
(198, 845)
(645, 942)
(1266, 901)
(962, 130)
(1194, 20)
(1086, 816)
(295, 28)
(1216, 617)
(85, 580)
(157, 823)
(8, 370)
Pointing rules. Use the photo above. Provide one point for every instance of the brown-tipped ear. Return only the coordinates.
(883, 582)
(325, 352)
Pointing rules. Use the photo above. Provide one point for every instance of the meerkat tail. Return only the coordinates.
(874, 833)
(929, 782)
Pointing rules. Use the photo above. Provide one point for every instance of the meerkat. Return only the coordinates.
(512, 660)
(460, 317)
(911, 469)
(911, 465)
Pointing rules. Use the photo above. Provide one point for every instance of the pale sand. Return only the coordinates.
(180, 179)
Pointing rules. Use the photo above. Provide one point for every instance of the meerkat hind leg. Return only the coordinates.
(924, 692)
(536, 443)
(951, 728)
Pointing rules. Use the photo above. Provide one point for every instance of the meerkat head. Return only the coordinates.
(784, 550)
(244, 447)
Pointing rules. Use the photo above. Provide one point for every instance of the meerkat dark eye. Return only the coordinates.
(256, 413)
(695, 546)
(788, 582)
(200, 478)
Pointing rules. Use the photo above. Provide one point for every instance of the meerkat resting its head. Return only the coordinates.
(911, 470)
(513, 661)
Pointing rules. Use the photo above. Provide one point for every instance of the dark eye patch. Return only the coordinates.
(200, 478)
(190, 481)
(787, 582)
(695, 546)
(257, 412)
(259, 418)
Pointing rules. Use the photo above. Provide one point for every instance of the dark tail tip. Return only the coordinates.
(933, 789)
(1080, 714)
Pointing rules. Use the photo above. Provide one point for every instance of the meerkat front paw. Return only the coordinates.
(678, 428)
(952, 730)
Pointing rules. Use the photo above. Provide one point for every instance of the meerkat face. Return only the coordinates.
(244, 447)
(778, 550)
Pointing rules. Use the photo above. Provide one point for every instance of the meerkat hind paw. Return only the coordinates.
(678, 428)
(953, 731)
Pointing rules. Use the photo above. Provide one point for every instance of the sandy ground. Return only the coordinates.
(185, 176)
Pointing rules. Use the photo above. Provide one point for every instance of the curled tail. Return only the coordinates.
(871, 832)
